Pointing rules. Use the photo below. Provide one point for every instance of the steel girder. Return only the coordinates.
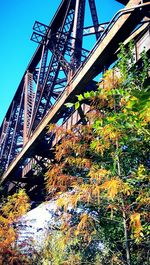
(12, 134)
(56, 53)
(59, 54)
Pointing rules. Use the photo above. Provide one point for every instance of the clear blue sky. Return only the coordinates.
(16, 20)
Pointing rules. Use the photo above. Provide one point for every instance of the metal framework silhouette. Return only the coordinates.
(59, 69)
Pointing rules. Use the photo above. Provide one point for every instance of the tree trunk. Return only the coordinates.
(126, 240)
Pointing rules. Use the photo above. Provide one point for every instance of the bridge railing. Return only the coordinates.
(106, 31)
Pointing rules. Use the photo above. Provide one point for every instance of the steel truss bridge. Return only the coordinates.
(60, 69)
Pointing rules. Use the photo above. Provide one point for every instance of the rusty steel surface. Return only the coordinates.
(50, 82)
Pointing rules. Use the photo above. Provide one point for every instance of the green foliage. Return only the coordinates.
(99, 176)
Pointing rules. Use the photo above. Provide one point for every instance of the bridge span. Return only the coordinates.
(60, 69)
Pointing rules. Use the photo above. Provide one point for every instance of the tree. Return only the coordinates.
(11, 210)
(99, 175)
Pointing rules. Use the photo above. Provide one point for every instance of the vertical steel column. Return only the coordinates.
(3, 133)
(28, 105)
(57, 68)
(94, 17)
(78, 34)
(5, 141)
(13, 146)
(13, 140)
(40, 80)
(42, 69)
(4, 136)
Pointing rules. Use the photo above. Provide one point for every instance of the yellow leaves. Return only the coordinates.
(107, 135)
(73, 259)
(112, 187)
(15, 206)
(115, 259)
(96, 193)
(98, 174)
(123, 101)
(56, 181)
(83, 223)
(85, 227)
(92, 192)
(141, 172)
(88, 193)
(57, 130)
(78, 162)
(109, 84)
(111, 103)
(136, 226)
(7, 238)
(126, 190)
(111, 133)
(82, 193)
(111, 80)
(53, 171)
(131, 101)
(145, 116)
(68, 200)
(92, 115)
(66, 217)
(112, 207)
(61, 243)
(60, 202)
(3, 220)
(74, 199)
(56, 248)
(143, 199)
(100, 147)
(70, 143)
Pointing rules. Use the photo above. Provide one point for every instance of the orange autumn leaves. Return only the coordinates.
(89, 161)
(11, 210)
